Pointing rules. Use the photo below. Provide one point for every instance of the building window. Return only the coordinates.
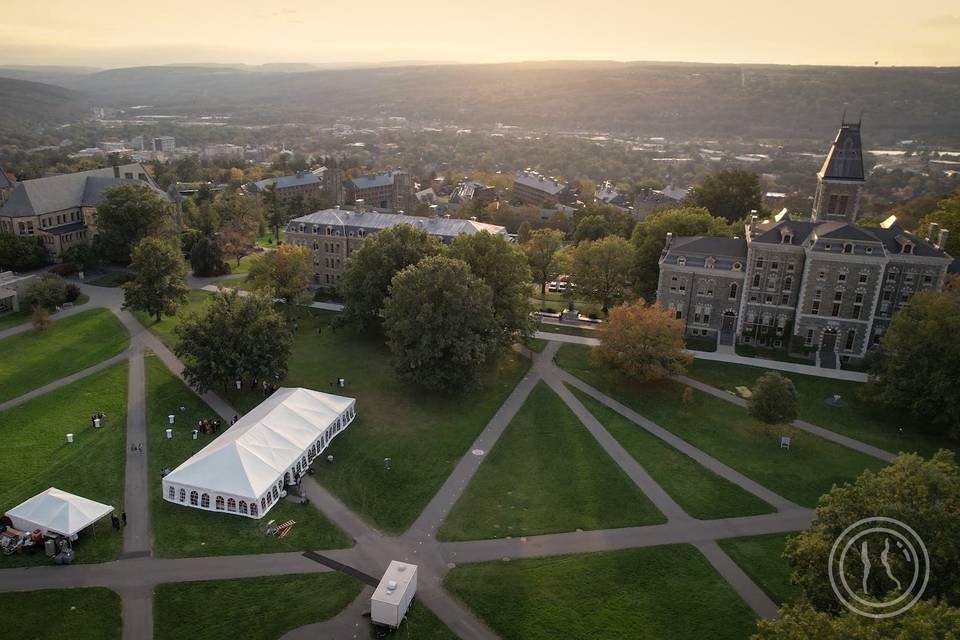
(737, 266)
(263, 505)
(681, 261)
(835, 311)
(808, 341)
(759, 263)
(822, 275)
(787, 283)
(832, 204)
(785, 299)
(679, 314)
(183, 495)
(219, 502)
(756, 281)
(841, 277)
(733, 291)
(790, 267)
(194, 498)
(847, 247)
(205, 501)
(815, 307)
(231, 505)
(842, 209)
(851, 336)
(253, 509)
(171, 493)
(863, 278)
(892, 276)
(243, 507)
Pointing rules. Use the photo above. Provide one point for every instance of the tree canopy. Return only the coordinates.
(918, 364)
(233, 338)
(730, 194)
(21, 253)
(127, 214)
(923, 621)
(650, 237)
(947, 215)
(283, 273)
(643, 341)
(601, 269)
(158, 285)
(541, 250)
(440, 325)
(503, 267)
(370, 269)
(774, 399)
(924, 494)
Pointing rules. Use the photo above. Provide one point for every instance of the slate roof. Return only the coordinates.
(770, 232)
(921, 247)
(540, 183)
(844, 161)
(376, 221)
(66, 228)
(372, 180)
(6, 181)
(696, 249)
(68, 191)
(283, 182)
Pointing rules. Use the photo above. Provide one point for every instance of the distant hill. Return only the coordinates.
(28, 104)
(639, 98)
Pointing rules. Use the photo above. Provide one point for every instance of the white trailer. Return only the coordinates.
(389, 603)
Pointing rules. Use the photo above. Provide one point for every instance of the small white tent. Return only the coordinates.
(56, 511)
(244, 470)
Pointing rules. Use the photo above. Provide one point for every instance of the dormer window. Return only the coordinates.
(847, 247)
(737, 266)
(907, 248)
(329, 231)
(869, 249)
(826, 247)
(786, 239)
(709, 262)
(681, 261)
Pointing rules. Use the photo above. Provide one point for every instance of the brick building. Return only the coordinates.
(387, 190)
(823, 285)
(529, 187)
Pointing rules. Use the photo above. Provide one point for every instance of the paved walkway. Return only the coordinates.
(135, 576)
(61, 382)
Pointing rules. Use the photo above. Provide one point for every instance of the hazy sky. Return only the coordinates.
(119, 34)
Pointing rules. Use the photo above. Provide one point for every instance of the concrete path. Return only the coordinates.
(826, 434)
(746, 588)
(136, 535)
(59, 315)
(562, 337)
(327, 306)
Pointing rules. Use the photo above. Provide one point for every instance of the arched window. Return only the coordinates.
(171, 493)
(183, 495)
(263, 504)
(847, 247)
(681, 261)
(304, 461)
(269, 499)
(219, 502)
(733, 290)
(276, 494)
(737, 266)
(194, 498)
(787, 283)
(205, 501)
(231, 505)
(243, 507)
(253, 509)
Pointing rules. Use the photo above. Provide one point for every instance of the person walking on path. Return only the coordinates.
(123, 517)
(115, 522)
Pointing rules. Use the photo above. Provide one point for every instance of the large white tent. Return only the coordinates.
(56, 511)
(244, 470)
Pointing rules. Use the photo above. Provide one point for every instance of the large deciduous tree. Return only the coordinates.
(239, 221)
(235, 338)
(49, 291)
(206, 256)
(650, 237)
(947, 215)
(923, 621)
(21, 253)
(541, 252)
(602, 269)
(918, 364)
(127, 214)
(503, 267)
(283, 274)
(158, 287)
(923, 494)
(370, 269)
(773, 399)
(440, 324)
(643, 341)
(730, 194)
(274, 212)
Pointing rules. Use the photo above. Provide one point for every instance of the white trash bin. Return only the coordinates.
(169, 434)
(69, 438)
(170, 418)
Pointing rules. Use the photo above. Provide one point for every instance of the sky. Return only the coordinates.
(123, 34)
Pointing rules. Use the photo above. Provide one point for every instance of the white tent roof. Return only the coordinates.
(249, 457)
(57, 511)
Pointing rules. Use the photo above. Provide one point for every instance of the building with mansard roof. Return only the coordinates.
(821, 286)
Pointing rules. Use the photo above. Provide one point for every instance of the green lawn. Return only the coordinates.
(14, 318)
(32, 359)
(761, 557)
(424, 433)
(111, 279)
(196, 301)
(248, 608)
(567, 330)
(654, 592)
(420, 624)
(802, 474)
(700, 492)
(239, 282)
(546, 474)
(183, 532)
(36, 456)
(267, 240)
(859, 419)
(245, 263)
(535, 344)
(60, 614)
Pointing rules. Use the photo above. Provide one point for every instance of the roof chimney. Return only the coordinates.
(942, 239)
(753, 221)
(669, 240)
(932, 231)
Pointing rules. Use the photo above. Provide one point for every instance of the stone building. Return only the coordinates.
(388, 190)
(331, 235)
(823, 286)
(529, 187)
(308, 184)
(61, 210)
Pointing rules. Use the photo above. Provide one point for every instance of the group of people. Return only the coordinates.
(99, 415)
(209, 426)
(118, 523)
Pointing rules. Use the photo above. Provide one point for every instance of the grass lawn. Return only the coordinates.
(802, 474)
(239, 282)
(700, 492)
(654, 592)
(546, 474)
(111, 279)
(700, 343)
(57, 614)
(534, 344)
(420, 624)
(248, 608)
(32, 359)
(859, 419)
(567, 330)
(196, 301)
(267, 239)
(13, 318)
(761, 558)
(424, 433)
(245, 263)
(183, 532)
(36, 456)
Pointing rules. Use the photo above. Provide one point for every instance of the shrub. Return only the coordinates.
(65, 269)
(49, 291)
(73, 292)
